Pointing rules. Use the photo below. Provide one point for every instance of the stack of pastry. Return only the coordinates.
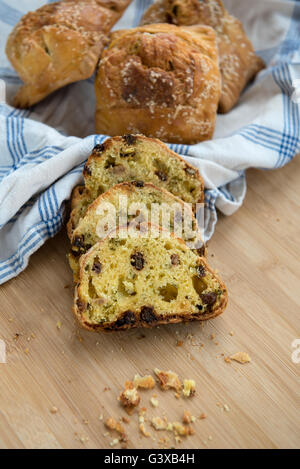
(149, 276)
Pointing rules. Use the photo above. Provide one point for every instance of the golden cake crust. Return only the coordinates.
(137, 315)
(160, 80)
(238, 62)
(58, 44)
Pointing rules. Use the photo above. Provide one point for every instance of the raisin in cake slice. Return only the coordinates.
(131, 202)
(145, 281)
(137, 158)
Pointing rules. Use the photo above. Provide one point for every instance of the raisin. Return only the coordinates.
(110, 163)
(200, 271)
(208, 299)
(200, 307)
(175, 259)
(201, 251)
(161, 175)
(127, 319)
(129, 139)
(75, 253)
(175, 10)
(126, 154)
(137, 260)
(147, 314)
(79, 242)
(86, 170)
(139, 183)
(81, 305)
(190, 171)
(79, 245)
(97, 266)
(99, 148)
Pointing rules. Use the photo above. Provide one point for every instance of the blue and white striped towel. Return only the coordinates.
(40, 164)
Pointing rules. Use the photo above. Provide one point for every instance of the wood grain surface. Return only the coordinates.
(81, 373)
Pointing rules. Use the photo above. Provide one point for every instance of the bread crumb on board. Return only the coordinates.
(113, 424)
(144, 382)
(188, 417)
(159, 423)
(241, 357)
(189, 387)
(168, 380)
(154, 401)
(129, 398)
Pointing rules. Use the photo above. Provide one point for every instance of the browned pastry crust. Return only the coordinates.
(238, 62)
(138, 315)
(160, 80)
(60, 43)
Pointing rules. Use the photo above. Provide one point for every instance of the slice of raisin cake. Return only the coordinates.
(144, 281)
(136, 158)
(133, 202)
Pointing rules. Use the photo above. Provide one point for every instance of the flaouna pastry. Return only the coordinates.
(58, 44)
(238, 62)
(160, 80)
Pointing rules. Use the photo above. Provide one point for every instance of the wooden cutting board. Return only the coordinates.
(255, 405)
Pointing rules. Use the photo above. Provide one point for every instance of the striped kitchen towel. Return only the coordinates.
(42, 150)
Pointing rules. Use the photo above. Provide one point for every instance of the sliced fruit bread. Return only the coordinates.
(133, 202)
(145, 281)
(135, 158)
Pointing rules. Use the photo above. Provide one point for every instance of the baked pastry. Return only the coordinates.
(133, 281)
(135, 158)
(160, 80)
(131, 203)
(238, 62)
(60, 43)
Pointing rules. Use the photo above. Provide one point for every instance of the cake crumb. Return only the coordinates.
(114, 442)
(113, 424)
(182, 430)
(144, 382)
(241, 357)
(226, 408)
(58, 325)
(53, 410)
(143, 430)
(168, 380)
(159, 423)
(202, 416)
(189, 387)
(188, 417)
(129, 398)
